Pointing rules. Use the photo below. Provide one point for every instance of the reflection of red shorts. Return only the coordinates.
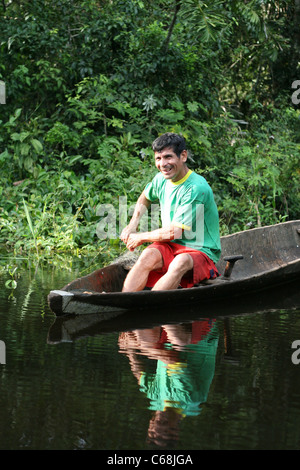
(199, 330)
(204, 267)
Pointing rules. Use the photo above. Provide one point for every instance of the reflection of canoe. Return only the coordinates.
(268, 257)
(72, 327)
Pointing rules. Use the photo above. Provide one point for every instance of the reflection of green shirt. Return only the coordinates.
(189, 204)
(184, 385)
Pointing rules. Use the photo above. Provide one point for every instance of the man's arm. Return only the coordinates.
(133, 239)
(164, 234)
(141, 206)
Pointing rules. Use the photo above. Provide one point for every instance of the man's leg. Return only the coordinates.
(180, 265)
(150, 260)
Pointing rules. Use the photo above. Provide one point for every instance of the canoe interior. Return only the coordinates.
(108, 279)
(263, 249)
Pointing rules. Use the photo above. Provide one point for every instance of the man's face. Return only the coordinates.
(172, 167)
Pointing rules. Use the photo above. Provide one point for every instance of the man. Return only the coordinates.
(184, 251)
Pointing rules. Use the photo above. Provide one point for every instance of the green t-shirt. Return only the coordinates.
(189, 204)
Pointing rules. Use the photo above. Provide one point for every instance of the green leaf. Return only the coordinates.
(11, 284)
(192, 106)
(28, 218)
(23, 136)
(38, 147)
(24, 149)
(15, 136)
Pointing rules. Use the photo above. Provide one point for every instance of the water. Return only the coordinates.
(131, 384)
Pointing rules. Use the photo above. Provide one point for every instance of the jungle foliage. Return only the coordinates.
(90, 84)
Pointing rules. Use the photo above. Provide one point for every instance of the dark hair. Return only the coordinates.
(169, 140)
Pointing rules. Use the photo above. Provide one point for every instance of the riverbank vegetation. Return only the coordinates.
(90, 84)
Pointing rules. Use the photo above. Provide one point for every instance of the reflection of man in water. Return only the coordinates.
(185, 366)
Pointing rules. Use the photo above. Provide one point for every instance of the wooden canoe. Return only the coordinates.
(252, 261)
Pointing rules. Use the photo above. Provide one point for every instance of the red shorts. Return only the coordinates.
(204, 267)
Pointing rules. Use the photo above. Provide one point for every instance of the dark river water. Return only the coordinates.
(188, 379)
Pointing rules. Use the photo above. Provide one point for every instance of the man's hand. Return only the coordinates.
(126, 232)
(134, 240)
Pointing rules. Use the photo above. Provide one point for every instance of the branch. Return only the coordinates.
(171, 27)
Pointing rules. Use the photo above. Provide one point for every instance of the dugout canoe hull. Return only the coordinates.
(271, 257)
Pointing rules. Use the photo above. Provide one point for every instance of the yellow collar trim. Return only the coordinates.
(182, 179)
